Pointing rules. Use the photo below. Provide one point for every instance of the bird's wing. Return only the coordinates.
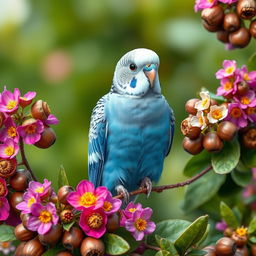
(97, 142)
(172, 127)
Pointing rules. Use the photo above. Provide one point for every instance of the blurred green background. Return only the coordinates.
(67, 51)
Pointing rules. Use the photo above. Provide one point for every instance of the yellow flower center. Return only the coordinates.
(88, 199)
(9, 151)
(12, 132)
(45, 216)
(241, 231)
(30, 129)
(107, 206)
(95, 221)
(230, 70)
(245, 100)
(132, 210)
(204, 102)
(246, 77)
(210, 1)
(201, 120)
(236, 112)
(31, 201)
(140, 224)
(11, 104)
(217, 114)
(5, 245)
(23, 98)
(228, 86)
(39, 190)
(251, 111)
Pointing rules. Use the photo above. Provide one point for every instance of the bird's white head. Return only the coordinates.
(136, 73)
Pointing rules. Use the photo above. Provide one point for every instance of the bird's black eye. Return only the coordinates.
(133, 67)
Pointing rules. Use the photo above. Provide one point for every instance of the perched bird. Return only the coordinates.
(131, 129)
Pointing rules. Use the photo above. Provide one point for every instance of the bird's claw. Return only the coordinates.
(121, 190)
(146, 183)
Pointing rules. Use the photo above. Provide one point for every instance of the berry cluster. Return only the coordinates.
(228, 19)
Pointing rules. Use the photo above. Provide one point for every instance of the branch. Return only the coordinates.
(159, 189)
(24, 159)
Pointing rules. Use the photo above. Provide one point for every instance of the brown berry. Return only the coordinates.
(253, 250)
(246, 9)
(19, 249)
(19, 181)
(231, 22)
(193, 147)
(188, 130)
(226, 130)
(33, 248)
(16, 198)
(242, 251)
(210, 250)
(240, 38)
(213, 16)
(212, 142)
(210, 28)
(252, 28)
(190, 106)
(64, 253)
(73, 238)
(222, 36)
(240, 240)
(48, 137)
(113, 223)
(2, 118)
(242, 88)
(24, 218)
(23, 234)
(92, 247)
(7, 167)
(67, 216)
(249, 138)
(225, 247)
(52, 237)
(134, 254)
(40, 110)
(63, 193)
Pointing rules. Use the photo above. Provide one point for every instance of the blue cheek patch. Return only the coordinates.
(133, 83)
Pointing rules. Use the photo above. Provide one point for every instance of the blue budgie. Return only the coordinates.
(131, 129)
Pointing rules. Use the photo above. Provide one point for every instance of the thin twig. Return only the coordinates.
(24, 159)
(151, 247)
(171, 186)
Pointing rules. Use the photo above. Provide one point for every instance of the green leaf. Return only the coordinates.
(219, 99)
(115, 245)
(227, 159)
(163, 253)
(191, 235)
(228, 215)
(204, 236)
(68, 226)
(53, 251)
(166, 245)
(252, 226)
(241, 178)
(202, 190)
(62, 178)
(249, 157)
(197, 163)
(7, 233)
(196, 253)
(253, 239)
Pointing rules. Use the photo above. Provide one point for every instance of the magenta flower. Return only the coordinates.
(221, 226)
(31, 131)
(247, 100)
(29, 199)
(51, 119)
(87, 197)
(128, 212)
(10, 131)
(249, 77)
(37, 188)
(27, 99)
(228, 1)
(203, 4)
(4, 208)
(111, 205)
(228, 86)
(229, 69)
(3, 187)
(9, 101)
(140, 225)
(9, 149)
(42, 218)
(93, 222)
(236, 115)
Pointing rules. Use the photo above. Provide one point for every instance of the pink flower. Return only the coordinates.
(111, 205)
(236, 115)
(87, 197)
(3, 188)
(4, 208)
(129, 211)
(27, 99)
(248, 77)
(221, 226)
(228, 86)
(42, 190)
(42, 218)
(10, 131)
(51, 119)
(9, 102)
(140, 225)
(229, 69)
(31, 131)
(247, 100)
(93, 222)
(6, 247)
(9, 149)
(29, 199)
(203, 4)
(228, 1)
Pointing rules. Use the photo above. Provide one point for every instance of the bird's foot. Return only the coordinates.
(146, 183)
(121, 190)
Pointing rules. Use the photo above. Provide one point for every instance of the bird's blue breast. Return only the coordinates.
(138, 137)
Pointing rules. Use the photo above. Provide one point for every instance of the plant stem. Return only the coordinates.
(170, 186)
(151, 247)
(24, 159)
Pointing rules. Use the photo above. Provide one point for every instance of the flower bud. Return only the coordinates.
(52, 237)
(212, 142)
(188, 130)
(213, 16)
(228, 232)
(24, 218)
(222, 36)
(64, 253)
(249, 138)
(19, 249)
(113, 223)
(246, 9)
(33, 248)
(23, 234)
(63, 193)
(226, 130)
(231, 22)
(193, 147)
(67, 216)
(40, 110)
(92, 246)
(73, 238)
(48, 137)
(190, 106)
(210, 28)
(242, 88)
(19, 181)
(240, 240)
(16, 198)
(225, 247)
(240, 38)
(252, 28)
(7, 167)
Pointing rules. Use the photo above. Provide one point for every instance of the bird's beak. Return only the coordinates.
(151, 75)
